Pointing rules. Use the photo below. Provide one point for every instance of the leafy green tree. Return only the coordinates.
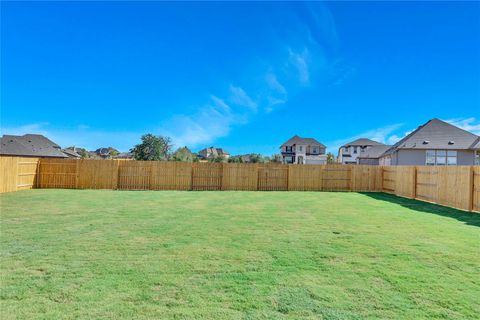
(152, 148)
(256, 158)
(276, 158)
(217, 159)
(235, 159)
(330, 158)
(183, 154)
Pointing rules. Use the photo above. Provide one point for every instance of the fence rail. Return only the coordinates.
(455, 186)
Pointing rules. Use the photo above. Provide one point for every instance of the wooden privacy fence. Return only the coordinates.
(455, 186)
(18, 173)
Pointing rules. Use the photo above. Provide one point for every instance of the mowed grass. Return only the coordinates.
(86, 254)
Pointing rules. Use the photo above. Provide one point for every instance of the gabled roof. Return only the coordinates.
(213, 152)
(71, 153)
(374, 152)
(33, 145)
(476, 145)
(363, 142)
(298, 140)
(437, 134)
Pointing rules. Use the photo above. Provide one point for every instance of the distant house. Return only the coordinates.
(30, 145)
(104, 153)
(212, 152)
(349, 152)
(372, 155)
(435, 143)
(303, 151)
(247, 158)
(72, 153)
(124, 156)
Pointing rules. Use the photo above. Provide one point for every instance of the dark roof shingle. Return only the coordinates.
(33, 145)
(298, 140)
(374, 152)
(363, 142)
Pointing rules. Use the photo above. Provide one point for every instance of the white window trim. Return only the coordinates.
(446, 156)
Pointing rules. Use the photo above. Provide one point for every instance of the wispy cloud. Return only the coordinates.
(276, 92)
(214, 120)
(239, 97)
(383, 135)
(469, 124)
(299, 60)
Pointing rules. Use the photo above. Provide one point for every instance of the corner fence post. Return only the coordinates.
(471, 188)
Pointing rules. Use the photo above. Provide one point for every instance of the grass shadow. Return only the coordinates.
(469, 218)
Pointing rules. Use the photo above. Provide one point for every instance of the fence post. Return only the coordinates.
(223, 182)
(191, 176)
(37, 176)
(471, 187)
(76, 173)
(117, 183)
(381, 178)
(414, 193)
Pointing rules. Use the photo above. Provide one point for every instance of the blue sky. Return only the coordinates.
(243, 76)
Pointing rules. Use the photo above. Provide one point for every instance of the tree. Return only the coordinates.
(256, 158)
(152, 148)
(111, 151)
(234, 159)
(217, 159)
(183, 154)
(276, 158)
(330, 158)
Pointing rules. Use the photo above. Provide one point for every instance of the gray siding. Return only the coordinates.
(417, 157)
(373, 162)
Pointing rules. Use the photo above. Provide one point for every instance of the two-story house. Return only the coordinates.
(303, 151)
(212, 152)
(349, 152)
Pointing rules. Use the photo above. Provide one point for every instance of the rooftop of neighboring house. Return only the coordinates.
(213, 152)
(437, 134)
(374, 152)
(363, 142)
(33, 145)
(71, 152)
(123, 155)
(476, 146)
(303, 141)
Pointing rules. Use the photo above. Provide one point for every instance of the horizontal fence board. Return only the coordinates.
(207, 176)
(272, 177)
(18, 173)
(454, 186)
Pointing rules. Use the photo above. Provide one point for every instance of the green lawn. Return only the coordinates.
(85, 254)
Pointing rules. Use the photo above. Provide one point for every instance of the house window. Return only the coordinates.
(477, 158)
(430, 161)
(300, 148)
(355, 149)
(314, 150)
(441, 158)
(346, 149)
(288, 148)
(289, 159)
(452, 158)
